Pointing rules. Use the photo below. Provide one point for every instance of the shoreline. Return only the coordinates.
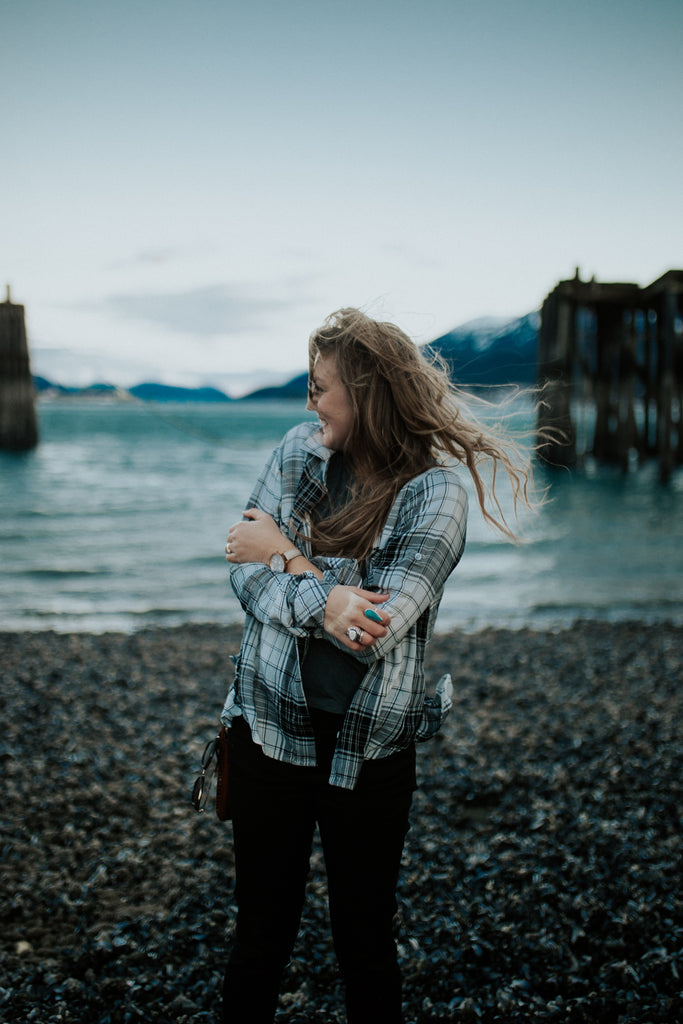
(541, 875)
(551, 627)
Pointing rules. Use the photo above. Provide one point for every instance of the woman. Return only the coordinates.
(340, 562)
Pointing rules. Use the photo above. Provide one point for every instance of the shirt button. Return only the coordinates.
(418, 557)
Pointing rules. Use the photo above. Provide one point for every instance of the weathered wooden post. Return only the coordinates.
(608, 441)
(630, 366)
(18, 423)
(556, 342)
(666, 386)
(664, 300)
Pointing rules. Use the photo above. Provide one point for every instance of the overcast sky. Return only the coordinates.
(189, 188)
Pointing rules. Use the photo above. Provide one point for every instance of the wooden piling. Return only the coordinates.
(557, 435)
(18, 422)
(617, 348)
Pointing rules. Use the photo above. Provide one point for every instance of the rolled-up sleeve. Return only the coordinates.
(297, 603)
(425, 545)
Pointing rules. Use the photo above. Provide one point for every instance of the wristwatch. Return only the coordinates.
(278, 560)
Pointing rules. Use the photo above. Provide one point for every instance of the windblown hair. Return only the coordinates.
(407, 418)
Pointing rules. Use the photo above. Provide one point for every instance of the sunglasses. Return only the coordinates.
(202, 787)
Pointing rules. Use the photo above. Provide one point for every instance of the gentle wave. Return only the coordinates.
(119, 519)
(54, 573)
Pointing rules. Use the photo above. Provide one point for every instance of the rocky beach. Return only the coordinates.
(541, 878)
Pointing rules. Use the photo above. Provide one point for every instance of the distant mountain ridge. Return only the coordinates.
(482, 353)
(297, 388)
(148, 392)
(169, 393)
(491, 352)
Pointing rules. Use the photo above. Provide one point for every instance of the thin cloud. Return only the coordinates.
(152, 257)
(208, 311)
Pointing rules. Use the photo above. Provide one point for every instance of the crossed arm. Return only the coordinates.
(407, 574)
(257, 536)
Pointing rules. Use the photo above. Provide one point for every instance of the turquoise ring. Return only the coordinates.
(370, 613)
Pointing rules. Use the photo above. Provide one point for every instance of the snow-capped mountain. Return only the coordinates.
(491, 350)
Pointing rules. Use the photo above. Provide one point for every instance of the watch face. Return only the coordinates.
(277, 562)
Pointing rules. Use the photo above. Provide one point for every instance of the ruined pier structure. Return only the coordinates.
(18, 424)
(610, 360)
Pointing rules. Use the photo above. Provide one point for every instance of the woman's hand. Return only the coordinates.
(255, 540)
(345, 609)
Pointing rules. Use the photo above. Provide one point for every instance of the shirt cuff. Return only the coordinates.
(311, 598)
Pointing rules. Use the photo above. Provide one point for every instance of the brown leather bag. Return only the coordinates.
(222, 788)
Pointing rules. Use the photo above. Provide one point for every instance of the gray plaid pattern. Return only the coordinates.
(422, 542)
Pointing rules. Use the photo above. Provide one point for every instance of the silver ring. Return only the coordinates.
(355, 634)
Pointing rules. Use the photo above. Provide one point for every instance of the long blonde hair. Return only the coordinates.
(407, 418)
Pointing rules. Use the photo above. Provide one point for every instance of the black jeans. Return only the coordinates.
(275, 808)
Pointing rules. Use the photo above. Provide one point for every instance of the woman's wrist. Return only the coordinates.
(298, 564)
(279, 560)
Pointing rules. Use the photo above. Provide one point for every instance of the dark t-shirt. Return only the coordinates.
(331, 676)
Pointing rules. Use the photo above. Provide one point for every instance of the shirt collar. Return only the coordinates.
(315, 447)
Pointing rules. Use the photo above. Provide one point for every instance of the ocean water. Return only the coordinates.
(118, 521)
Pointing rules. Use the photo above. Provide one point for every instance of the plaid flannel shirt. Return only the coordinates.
(420, 545)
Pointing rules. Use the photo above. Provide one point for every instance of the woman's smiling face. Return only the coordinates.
(330, 399)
